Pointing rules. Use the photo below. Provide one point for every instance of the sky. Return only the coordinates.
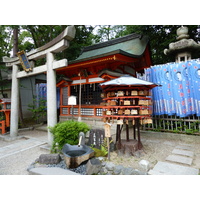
(102, 12)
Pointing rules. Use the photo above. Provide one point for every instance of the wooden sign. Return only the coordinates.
(103, 95)
(127, 103)
(144, 112)
(107, 130)
(120, 93)
(134, 92)
(113, 103)
(134, 112)
(107, 135)
(24, 61)
(127, 112)
(120, 121)
(72, 100)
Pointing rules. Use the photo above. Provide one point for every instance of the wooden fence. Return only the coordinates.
(166, 123)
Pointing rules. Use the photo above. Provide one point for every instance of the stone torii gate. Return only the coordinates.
(58, 44)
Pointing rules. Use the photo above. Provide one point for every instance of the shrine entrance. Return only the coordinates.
(47, 51)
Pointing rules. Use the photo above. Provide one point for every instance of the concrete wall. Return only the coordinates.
(27, 92)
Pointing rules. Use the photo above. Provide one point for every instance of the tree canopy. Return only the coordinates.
(34, 36)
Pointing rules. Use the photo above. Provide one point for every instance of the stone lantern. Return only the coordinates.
(183, 48)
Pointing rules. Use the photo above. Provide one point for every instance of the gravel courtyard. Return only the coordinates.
(156, 147)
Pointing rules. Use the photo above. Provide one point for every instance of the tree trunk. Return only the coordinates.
(15, 42)
(15, 50)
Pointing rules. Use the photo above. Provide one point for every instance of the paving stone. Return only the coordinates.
(184, 147)
(154, 172)
(179, 159)
(183, 152)
(169, 143)
(153, 141)
(164, 168)
(50, 171)
(19, 147)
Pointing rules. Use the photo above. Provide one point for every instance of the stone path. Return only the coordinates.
(179, 163)
(18, 147)
(51, 171)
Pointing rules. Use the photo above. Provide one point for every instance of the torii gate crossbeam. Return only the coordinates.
(58, 44)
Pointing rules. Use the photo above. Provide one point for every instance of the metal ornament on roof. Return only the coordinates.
(127, 80)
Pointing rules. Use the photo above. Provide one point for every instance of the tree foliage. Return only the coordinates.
(34, 36)
(160, 37)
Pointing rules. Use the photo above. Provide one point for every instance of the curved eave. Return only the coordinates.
(105, 87)
(132, 45)
(118, 51)
(98, 61)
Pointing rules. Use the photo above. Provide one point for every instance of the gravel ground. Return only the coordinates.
(156, 147)
(17, 164)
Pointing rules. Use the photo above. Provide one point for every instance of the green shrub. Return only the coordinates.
(103, 151)
(67, 132)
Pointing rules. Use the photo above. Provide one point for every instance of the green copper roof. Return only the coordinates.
(132, 45)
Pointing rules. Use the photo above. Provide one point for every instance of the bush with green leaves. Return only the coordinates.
(67, 132)
(38, 109)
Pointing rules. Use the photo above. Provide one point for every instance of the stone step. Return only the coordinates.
(165, 168)
(184, 147)
(154, 172)
(183, 152)
(50, 171)
(19, 146)
(42, 128)
(179, 159)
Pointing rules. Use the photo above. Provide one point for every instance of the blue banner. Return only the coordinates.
(41, 93)
(179, 93)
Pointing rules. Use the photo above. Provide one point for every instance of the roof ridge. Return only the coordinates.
(112, 42)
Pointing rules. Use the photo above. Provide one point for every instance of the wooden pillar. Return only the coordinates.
(127, 132)
(118, 136)
(134, 132)
(138, 130)
(117, 132)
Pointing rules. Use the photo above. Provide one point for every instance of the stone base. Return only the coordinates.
(128, 147)
(49, 158)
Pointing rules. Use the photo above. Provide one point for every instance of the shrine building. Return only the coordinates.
(99, 63)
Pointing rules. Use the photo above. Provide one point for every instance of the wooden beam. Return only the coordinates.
(42, 69)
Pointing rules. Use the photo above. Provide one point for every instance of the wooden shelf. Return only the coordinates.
(128, 97)
(128, 116)
(144, 106)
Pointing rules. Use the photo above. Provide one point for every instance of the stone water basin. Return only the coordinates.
(74, 155)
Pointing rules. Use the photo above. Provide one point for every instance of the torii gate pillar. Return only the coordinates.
(58, 44)
(51, 95)
(14, 118)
